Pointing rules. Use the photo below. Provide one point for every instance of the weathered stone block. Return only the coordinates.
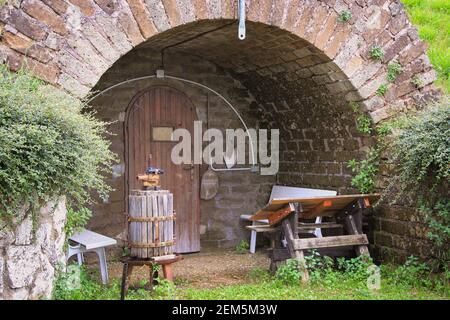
(24, 45)
(395, 227)
(335, 44)
(73, 86)
(115, 35)
(130, 26)
(371, 87)
(340, 87)
(23, 232)
(382, 239)
(365, 74)
(158, 14)
(1, 273)
(397, 24)
(87, 7)
(428, 77)
(77, 69)
(22, 263)
(395, 47)
(44, 14)
(17, 294)
(46, 275)
(7, 236)
(109, 6)
(87, 52)
(25, 25)
(58, 5)
(102, 45)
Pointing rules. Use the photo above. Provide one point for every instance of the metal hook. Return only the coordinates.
(241, 29)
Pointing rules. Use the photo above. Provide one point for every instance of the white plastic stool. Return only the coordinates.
(253, 233)
(88, 241)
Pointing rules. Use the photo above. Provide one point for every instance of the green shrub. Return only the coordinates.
(393, 70)
(242, 247)
(420, 152)
(345, 16)
(76, 219)
(421, 148)
(381, 91)
(376, 53)
(289, 272)
(365, 172)
(384, 129)
(438, 219)
(417, 82)
(412, 273)
(50, 145)
(364, 124)
(318, 266)
(355, 268)
(363, 121)
(355, 106)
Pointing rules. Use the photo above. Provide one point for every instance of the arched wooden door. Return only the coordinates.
(151, 117)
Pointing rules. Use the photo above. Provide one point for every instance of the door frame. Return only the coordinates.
(126, 146)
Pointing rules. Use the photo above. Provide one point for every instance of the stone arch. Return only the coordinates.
(299, 59)
(71, 43)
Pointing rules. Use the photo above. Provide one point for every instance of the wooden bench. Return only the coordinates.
(284, 225)
(281, 192)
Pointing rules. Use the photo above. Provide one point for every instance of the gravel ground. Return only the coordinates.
(207, 269)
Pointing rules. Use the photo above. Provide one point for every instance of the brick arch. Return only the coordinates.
(72, 43)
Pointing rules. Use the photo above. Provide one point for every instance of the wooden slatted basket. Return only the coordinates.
(151, 223)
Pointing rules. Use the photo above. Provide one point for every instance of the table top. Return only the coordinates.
(315, 206)
(92, 240)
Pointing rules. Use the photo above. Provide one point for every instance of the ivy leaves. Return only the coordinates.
(421, 154)
(48, 146)
(365, 172)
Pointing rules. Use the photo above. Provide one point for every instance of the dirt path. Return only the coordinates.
(207, 269)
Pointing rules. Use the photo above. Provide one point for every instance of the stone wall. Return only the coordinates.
(401, 231)
(29, 257)
(318, 133)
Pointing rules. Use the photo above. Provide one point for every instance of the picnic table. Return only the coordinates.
(345, 211)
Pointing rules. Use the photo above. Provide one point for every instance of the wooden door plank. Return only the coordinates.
(164, 106)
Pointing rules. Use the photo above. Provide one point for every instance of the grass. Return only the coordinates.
(346, 280)
(275, 290)
(432, 18)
